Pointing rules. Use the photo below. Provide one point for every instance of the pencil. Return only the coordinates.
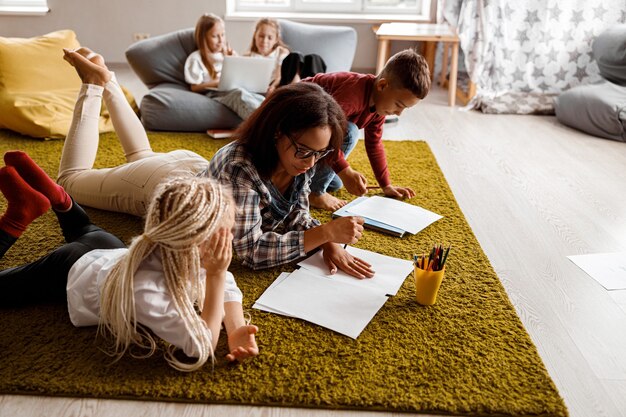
(445, 256)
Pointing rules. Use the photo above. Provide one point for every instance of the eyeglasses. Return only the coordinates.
(304, 153)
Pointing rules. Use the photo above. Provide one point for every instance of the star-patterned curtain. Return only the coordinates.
(522, 53)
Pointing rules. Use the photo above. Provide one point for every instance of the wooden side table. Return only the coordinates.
(428, 33)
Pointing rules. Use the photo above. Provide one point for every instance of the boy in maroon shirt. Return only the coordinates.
(366, 100)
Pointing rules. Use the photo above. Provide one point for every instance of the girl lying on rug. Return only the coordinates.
(179, 263)
(269, 168)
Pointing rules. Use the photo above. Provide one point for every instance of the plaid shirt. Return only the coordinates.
(269, 228)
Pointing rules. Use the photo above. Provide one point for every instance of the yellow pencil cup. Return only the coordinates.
(427, 285)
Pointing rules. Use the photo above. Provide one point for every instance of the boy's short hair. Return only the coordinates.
(408, 69)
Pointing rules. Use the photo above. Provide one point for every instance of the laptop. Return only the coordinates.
(252, 74)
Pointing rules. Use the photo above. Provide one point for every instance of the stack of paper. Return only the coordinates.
(339, 302)
(388, 215)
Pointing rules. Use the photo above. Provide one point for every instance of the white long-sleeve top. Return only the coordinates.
(153, 304)
(195, 70)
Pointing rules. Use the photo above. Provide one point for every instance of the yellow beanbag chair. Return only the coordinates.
(38, 89)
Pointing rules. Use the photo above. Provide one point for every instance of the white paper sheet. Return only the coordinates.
(609, 269)
(342, 307)
(395, 213)
(261, 307)
(389, 275)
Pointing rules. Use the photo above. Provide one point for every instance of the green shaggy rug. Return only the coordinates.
(469, 354)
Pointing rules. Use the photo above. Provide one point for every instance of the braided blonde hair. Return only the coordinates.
(183, 213)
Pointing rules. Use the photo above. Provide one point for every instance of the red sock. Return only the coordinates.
(38, 179)
(25, 204)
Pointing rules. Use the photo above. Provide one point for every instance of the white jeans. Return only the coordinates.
(127, 188)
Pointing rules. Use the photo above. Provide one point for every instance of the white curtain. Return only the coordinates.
(522, 53)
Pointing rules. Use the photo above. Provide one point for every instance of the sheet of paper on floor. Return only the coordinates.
(261, 307)
(390, 272)
(609, 269)
(339, 306)
(395, 213)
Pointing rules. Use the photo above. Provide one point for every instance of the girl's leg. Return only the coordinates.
(241, 101)
(41, 281)
(24, 206)
(75, 224)
(91, 66)
(127, 125)
(37, 178)
(99, 188)
(126, 188)
(313, 64)
(290, 68)
(45, 279)
(81, 144)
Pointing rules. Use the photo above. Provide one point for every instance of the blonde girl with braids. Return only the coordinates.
(203, 67)
(171, 284)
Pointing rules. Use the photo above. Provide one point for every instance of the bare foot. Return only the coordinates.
(89, 66)
(91, 56)
(326, 201)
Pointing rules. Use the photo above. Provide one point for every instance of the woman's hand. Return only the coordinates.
(337, 257)
(217, 252)
(347, 229)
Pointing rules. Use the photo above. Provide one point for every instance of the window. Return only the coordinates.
(29, 7)
(374, 9)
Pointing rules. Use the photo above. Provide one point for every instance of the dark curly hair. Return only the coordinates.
(290, 110)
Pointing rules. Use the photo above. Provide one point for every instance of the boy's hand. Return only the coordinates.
(398, 192)
(217, 252)
(354, 181)
(242, 343)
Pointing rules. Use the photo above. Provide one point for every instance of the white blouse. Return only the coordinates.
(195, 70)
(153, 303)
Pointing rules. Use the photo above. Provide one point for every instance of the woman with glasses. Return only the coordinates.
(269, 169)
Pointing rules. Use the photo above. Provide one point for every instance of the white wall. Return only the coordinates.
(108, 26)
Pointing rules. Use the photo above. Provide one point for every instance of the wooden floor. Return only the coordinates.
(533, 191)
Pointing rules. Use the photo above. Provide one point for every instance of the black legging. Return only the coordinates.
(45, 279)
(303, 65)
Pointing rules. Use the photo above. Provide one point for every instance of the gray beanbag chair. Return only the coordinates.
(600, 109)
(609, 49)
(171, 105)
(335, 44)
